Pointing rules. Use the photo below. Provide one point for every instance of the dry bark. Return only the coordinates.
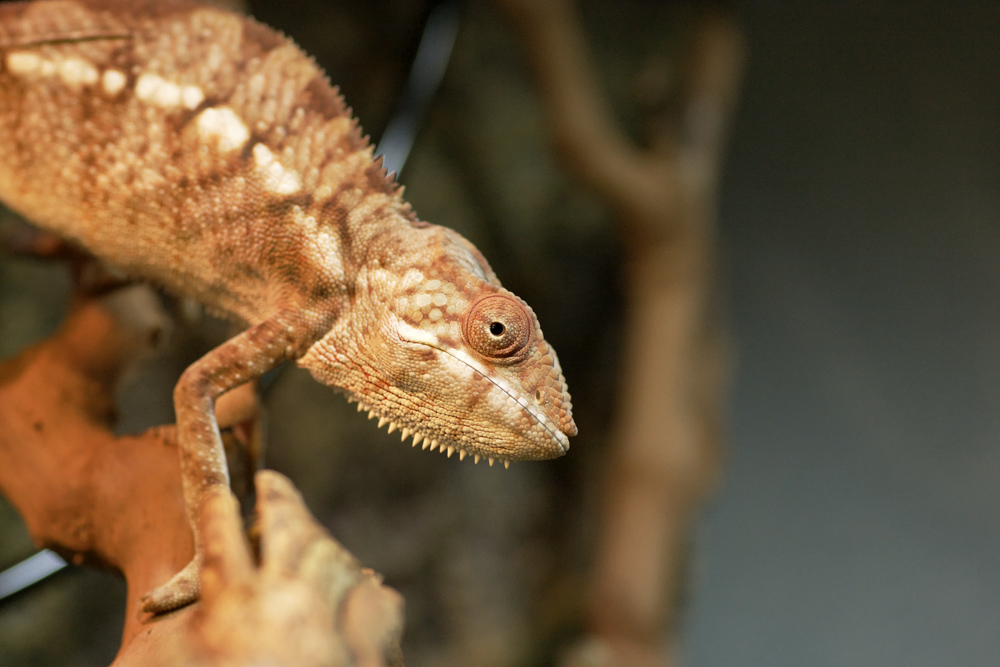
(117, 502)
(665, 455)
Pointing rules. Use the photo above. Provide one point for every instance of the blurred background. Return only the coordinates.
(855, 514)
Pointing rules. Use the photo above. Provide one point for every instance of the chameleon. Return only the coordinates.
(205, 153)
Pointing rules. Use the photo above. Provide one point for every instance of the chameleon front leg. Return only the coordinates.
(203, 463)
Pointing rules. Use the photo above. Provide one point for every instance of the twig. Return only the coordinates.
(116, 502)
(665, 457)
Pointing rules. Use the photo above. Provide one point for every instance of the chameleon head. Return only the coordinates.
(439, 349)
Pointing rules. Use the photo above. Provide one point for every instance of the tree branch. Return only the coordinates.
(117, 502)
(664, 458)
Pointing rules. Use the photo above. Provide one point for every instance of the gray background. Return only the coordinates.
(859, 523)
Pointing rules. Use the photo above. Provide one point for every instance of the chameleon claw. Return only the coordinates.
(180, 591)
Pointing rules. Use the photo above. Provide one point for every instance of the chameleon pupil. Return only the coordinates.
(496, 329)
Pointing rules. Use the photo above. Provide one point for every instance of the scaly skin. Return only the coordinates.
(204, 152)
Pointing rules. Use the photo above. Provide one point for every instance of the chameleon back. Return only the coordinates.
(188, 146)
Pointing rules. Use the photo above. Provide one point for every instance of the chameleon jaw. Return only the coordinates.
(417, 337)
(328, 361)
(428, 443)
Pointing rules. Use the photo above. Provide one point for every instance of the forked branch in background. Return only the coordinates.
(665, 452)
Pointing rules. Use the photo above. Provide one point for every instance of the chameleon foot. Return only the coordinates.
(180, 591)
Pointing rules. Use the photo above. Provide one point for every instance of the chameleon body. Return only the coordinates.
(204, 152)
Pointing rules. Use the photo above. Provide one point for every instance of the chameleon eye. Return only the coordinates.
(498, 327)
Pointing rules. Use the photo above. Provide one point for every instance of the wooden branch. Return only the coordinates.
(117, 502)
(665, 456)
(308, 603)
(712, 76)
(581, 126)
(650, 188)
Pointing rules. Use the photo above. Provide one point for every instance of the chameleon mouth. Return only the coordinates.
(428, 443)
(560, 438)
(414, 336)
(556, 435)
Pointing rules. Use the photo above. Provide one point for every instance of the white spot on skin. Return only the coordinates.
(277, 179)
(72, 71)
(191, 96)
(223, 125)
(324, 243)
(23, 63)
(113, 82)
(76, 71)
(323, 193)
(461, 371)
(413, 278)
(415, 335)
(165, 94)
(157, 91)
